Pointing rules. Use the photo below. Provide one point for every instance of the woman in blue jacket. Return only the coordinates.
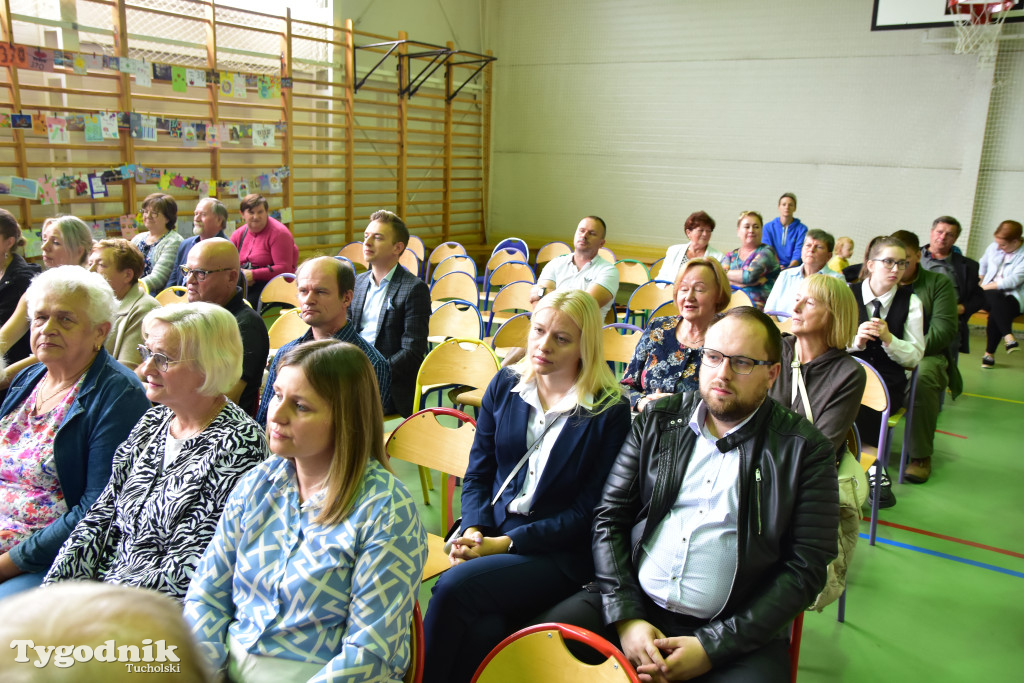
(60, 423)
(548, 431)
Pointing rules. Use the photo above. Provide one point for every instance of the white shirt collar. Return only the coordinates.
(869, 296)
(527, 390)
(699, 418)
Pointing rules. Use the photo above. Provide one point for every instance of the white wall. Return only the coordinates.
(642, 112)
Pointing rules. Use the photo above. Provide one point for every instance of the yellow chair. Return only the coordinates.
(619, 348)
(607, 254)
(512, 334)
(171, 295)
(633, 272)
(353, 251)
(417, 247)
(549, 251)
(286, 328)
(458, 263)
(422, 440)
(410, 262)
(281, 290)
(739, 298)
(455, 362)
(645, 299)
(668, 308)
(506, 273)
(538, 653)
(454, 319)
(513, 297)
(461, 286)
(441, 252)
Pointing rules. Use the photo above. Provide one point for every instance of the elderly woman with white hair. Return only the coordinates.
(172, 476)
(60, 423)
(66, 242)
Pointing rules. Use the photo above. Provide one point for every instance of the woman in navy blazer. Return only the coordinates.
(561, 407)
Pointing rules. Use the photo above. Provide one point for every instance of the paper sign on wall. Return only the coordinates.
(108, 124)
(57, 131)
(262, 135)
(178, 80)
(196, 78)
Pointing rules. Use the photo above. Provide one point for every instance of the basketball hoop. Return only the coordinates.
(978, 25)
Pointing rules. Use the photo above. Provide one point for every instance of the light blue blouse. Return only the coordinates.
(285, 586)
(1011, 275)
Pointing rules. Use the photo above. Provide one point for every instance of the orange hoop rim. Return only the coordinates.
(979, 13)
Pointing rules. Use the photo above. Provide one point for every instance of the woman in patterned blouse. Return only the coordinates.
(667, 358)
(317, 560)
(60, 423)
(753, 266)
(173, 474)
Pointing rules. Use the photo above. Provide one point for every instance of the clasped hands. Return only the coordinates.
(473, 544)
(876, 328)
(659, 659)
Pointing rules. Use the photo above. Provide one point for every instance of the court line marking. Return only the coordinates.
(994, 398)
(959, 436)
(947, 556)
(944, 537)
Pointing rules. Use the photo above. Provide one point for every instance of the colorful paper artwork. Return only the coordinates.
(239, 91)
(262, 135)
(196, 78)
(57, 131)
(93, 129)
(179, 83)
(97, 188)
(26, 188)
(108, 124)
(48, 190)
(227, 84)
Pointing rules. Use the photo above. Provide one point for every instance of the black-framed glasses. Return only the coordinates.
(891, 264)
(199, 273)
(741, 365)
(161, 361)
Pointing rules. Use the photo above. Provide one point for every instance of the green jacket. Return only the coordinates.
(938, 299)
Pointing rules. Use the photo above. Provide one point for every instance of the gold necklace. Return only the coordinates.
(62, 388)
(218, 407)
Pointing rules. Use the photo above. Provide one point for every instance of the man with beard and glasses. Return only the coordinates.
(716, 523)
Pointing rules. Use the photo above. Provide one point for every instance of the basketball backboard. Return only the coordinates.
(891, 15)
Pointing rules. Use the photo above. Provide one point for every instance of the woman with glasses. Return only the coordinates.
(890, 332)
(172, 475)
(60, 423)
(698, 228)
(159, 245)
(752, 267)
(667, 357)
(120, 263)
(1002, 280)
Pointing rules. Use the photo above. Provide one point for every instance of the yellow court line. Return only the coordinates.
(994, 398)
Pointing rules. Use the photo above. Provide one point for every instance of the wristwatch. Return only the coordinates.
(511, 546)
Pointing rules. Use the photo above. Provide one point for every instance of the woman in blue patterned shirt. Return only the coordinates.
(667, 358)
(314, 568)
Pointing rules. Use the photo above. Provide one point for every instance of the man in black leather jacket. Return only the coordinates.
(753, 497)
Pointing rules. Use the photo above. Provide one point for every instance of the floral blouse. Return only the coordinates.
(30, 494)
(660, 363)
(762, 262)
(153, 521)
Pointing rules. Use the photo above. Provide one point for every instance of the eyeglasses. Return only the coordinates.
(199, 273)
(892, 264)
(161, 361)
(151, 214)
(741, 365)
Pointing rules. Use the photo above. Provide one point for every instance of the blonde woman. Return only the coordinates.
(315, 566)
(550, 427)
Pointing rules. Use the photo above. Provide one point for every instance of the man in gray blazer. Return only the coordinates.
(391, 307)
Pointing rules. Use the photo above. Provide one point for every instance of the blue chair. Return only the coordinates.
(513, 243)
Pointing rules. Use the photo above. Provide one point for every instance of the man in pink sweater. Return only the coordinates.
(265, 246)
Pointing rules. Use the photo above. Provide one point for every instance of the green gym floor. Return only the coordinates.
(940, 597)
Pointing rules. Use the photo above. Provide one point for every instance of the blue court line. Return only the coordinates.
(936, 553)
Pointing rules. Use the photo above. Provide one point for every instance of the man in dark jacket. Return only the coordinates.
(938, 368)
(940, 256)
(716, 523)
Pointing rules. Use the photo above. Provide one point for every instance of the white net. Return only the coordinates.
(978, 26)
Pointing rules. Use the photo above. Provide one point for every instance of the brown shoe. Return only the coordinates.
(918, 470)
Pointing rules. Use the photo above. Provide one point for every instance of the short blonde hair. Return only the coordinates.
(89, 613)
(724, 290)
(594, 378)
(208, 337)
(341, 374)
(755, 214)
(837, 298)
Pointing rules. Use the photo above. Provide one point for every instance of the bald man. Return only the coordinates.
(210, 275)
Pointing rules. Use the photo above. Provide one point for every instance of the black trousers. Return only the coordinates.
(769, 664)
(1002, 309)
(477, 604)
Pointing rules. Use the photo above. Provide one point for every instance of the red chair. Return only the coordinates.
(416, 647)
(538, 653)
